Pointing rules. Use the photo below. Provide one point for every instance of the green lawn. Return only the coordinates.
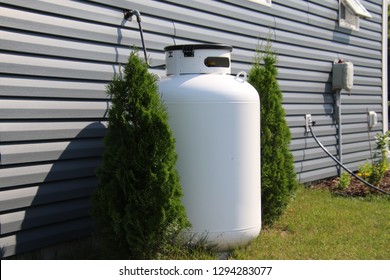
(317, 225)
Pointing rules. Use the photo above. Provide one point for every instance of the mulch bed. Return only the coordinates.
(356, 188)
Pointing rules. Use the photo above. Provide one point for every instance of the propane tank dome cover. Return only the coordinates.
(199, 47)
(198, 59)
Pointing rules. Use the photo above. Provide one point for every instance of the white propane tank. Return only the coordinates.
(215, 119)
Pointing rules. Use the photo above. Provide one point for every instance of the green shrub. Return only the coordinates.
(373, 172)
(364, 171)
(382, 147)
(278, 178)
(344, 181)
(137, 205)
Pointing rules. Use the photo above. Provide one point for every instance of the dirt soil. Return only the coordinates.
(356, 188)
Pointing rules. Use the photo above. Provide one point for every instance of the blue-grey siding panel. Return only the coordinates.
(46, 193)
(14, 176)
(43, 215)
(36, 152)
(56, 58)
(33, 239)
(36, 87)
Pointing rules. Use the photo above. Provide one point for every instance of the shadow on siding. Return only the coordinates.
(59, 205)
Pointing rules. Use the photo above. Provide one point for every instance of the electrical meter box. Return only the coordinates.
(342, 77)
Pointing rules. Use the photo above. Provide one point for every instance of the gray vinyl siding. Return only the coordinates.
(56, 58)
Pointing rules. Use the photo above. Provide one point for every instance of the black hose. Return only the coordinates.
(342, 165)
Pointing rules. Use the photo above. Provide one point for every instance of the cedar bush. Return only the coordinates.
(278, 178)
(137, 205)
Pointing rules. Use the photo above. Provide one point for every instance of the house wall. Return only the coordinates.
(56, 58)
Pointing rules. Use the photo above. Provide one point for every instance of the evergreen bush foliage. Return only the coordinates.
(137, 204)
(278, 178)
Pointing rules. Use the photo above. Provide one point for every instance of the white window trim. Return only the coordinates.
(354, 10)
(262, 2)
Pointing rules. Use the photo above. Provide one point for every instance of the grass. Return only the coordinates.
(317, 225)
